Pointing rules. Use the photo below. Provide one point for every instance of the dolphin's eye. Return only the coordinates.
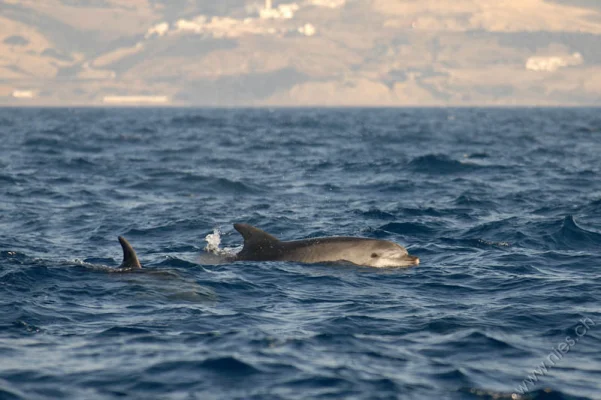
(374, 255)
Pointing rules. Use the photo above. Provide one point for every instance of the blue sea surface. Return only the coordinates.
(503, 207)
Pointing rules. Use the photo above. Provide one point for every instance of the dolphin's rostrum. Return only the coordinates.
(261, 246)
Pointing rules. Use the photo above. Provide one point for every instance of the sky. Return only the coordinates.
(307, 53)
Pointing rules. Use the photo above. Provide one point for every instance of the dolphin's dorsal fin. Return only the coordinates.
(254, 237)
(130, 259)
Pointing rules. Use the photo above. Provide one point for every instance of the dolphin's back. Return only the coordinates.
(327, 249)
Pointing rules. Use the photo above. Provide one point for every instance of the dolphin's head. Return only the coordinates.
(389, 254)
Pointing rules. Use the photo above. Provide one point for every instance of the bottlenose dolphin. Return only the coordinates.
(170, 287)
(261, 246)
(130, 261)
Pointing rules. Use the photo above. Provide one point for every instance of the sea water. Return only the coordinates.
(502, 206)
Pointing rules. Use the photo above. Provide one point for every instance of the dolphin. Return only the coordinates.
(261, 246)
(171, 286)
(130, 259)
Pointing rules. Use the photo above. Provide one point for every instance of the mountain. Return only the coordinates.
(308, 53)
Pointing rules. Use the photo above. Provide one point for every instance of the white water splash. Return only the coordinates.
(213, 241)
(213, 246)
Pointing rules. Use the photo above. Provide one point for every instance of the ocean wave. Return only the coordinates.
(120, 331)
(440, 164)
(375, 214)
(571, 236)
(10, 393)
(195, 121)
(228, 366)
(408, 228)
(196, 183)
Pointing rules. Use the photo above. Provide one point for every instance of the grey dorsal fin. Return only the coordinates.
(130, 259)
(254, 237)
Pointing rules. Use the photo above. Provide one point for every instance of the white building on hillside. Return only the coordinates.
(283, 11)
(553, 63)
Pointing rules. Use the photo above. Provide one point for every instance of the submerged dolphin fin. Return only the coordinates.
(255, 239)
(130, 259)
